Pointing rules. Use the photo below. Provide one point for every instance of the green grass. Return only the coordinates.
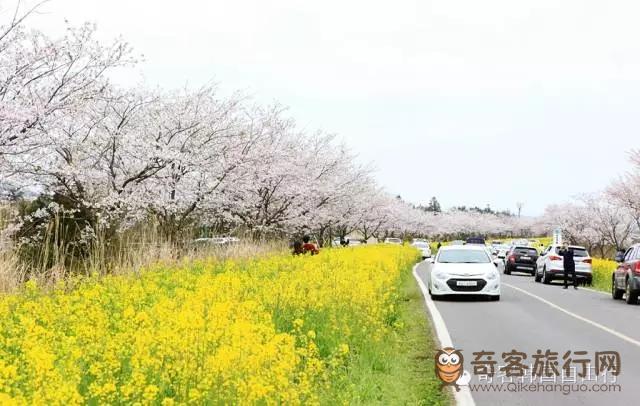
(400, 370)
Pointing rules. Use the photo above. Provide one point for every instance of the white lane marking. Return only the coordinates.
(463, 397)
(577, 316)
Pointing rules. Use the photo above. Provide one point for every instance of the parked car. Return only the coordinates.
(501, 250)
(475, 240)
(391, 240)
(421, 240)
(464, 270)
(457, 242)
(549, 265)
(625, 280)
(423, 247)
(521, 259)
(352, 242)
(211, 241)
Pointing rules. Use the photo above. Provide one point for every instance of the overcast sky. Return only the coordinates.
(475, 102)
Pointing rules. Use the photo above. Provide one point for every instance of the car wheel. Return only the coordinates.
(632, 296)
(546, 278)
(615, 292)
(536, 276)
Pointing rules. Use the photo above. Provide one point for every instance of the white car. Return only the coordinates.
(550, 264)
(521, 242)
(464, 270)
(352, 242)
(391, 240)
(421, 240)
(211, 241)
(501, 250)
(423, 247)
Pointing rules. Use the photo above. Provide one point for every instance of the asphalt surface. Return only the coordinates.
(525, 323)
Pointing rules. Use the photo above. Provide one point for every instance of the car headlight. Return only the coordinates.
(440, 275)
(492, 275)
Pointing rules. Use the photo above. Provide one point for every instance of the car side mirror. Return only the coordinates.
(619, 257)
(431, 260)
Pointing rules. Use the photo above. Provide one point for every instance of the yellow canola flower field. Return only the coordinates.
(274, 330)
(602, 271)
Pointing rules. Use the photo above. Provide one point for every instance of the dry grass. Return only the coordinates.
(129, 255)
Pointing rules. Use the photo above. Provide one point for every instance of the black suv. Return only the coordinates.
(521, 259)
(475, 240)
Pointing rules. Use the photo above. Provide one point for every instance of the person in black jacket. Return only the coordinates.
(569, 267)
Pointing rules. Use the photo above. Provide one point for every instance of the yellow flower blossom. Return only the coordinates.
(274, 330)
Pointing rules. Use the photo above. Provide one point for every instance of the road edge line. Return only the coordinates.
(577, 316)
(462, 397)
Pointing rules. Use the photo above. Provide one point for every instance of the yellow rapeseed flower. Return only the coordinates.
(274, 330)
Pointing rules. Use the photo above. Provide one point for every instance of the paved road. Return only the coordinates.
(526, 323)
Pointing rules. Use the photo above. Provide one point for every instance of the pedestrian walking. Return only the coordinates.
(569, 265)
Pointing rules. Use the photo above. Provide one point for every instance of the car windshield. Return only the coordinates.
(525, 251)
(463, 257)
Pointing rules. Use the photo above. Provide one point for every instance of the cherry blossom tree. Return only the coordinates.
(44, 81)
(625, 192)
